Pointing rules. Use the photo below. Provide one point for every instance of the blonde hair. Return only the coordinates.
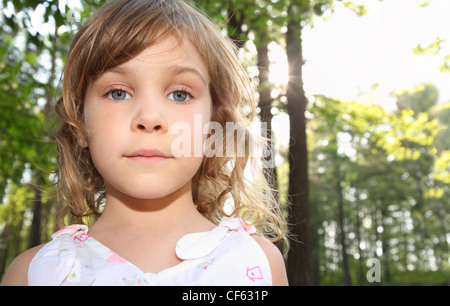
(116, 33)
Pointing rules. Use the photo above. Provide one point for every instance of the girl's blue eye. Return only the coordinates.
(179, 96)
(118, 95)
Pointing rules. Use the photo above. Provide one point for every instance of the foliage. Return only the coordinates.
(435, 49)
(33, 44)
(394, 187)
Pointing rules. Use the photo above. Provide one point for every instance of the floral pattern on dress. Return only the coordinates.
(226, 255)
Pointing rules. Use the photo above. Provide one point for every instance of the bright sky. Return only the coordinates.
(345, 54)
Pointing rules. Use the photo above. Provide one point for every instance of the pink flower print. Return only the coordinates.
(115, 258)
(254, 273)
(82, 237)
(249, 228)
(139, 280)
(205, 265)
(72, 227)
(231, 230)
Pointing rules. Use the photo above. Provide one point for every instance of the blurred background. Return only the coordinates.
(356, 95)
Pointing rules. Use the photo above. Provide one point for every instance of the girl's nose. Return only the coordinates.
(149, 117)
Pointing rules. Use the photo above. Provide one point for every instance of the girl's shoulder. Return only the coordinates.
(271, 252)
(17, 273)
(276, 261)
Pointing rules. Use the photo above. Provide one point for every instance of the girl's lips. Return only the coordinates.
(147, 159)
(147, 156)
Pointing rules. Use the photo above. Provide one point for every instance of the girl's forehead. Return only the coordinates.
(171, 53)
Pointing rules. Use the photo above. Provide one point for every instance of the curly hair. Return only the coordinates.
(115, 34)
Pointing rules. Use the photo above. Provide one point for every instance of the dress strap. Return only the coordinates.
(71, 230)
(197, 245)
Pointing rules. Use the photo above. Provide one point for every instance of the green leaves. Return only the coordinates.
(390, 172)
(435, 49)
(359, 9)
(441, 171)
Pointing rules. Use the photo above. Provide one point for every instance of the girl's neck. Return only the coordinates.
(173, 211)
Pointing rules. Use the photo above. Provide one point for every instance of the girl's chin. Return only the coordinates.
(148, 193)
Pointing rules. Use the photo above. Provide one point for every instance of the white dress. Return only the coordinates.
(226, 255)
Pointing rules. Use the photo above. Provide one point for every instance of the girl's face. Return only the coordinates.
(130, 111)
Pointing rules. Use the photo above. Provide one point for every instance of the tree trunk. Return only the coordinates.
(345, 266)
(35, 230)
(359, 230)
(299, 264)
(385, 242)
(4, 247)
(265, 105)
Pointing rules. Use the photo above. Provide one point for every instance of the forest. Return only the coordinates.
(365, 190)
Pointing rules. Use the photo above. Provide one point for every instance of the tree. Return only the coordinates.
(299, 262)
(381, 208)
(419, 99)
(300, 13)
(31, 60)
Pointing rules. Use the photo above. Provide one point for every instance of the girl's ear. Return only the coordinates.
(82, 140)
(81, 133)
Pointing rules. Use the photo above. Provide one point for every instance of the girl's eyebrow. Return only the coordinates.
(123, 70)
(171, 71)
(176, 70)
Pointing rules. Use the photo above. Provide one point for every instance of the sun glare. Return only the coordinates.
(279, 71)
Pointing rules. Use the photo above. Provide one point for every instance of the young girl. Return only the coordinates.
(134, 71)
